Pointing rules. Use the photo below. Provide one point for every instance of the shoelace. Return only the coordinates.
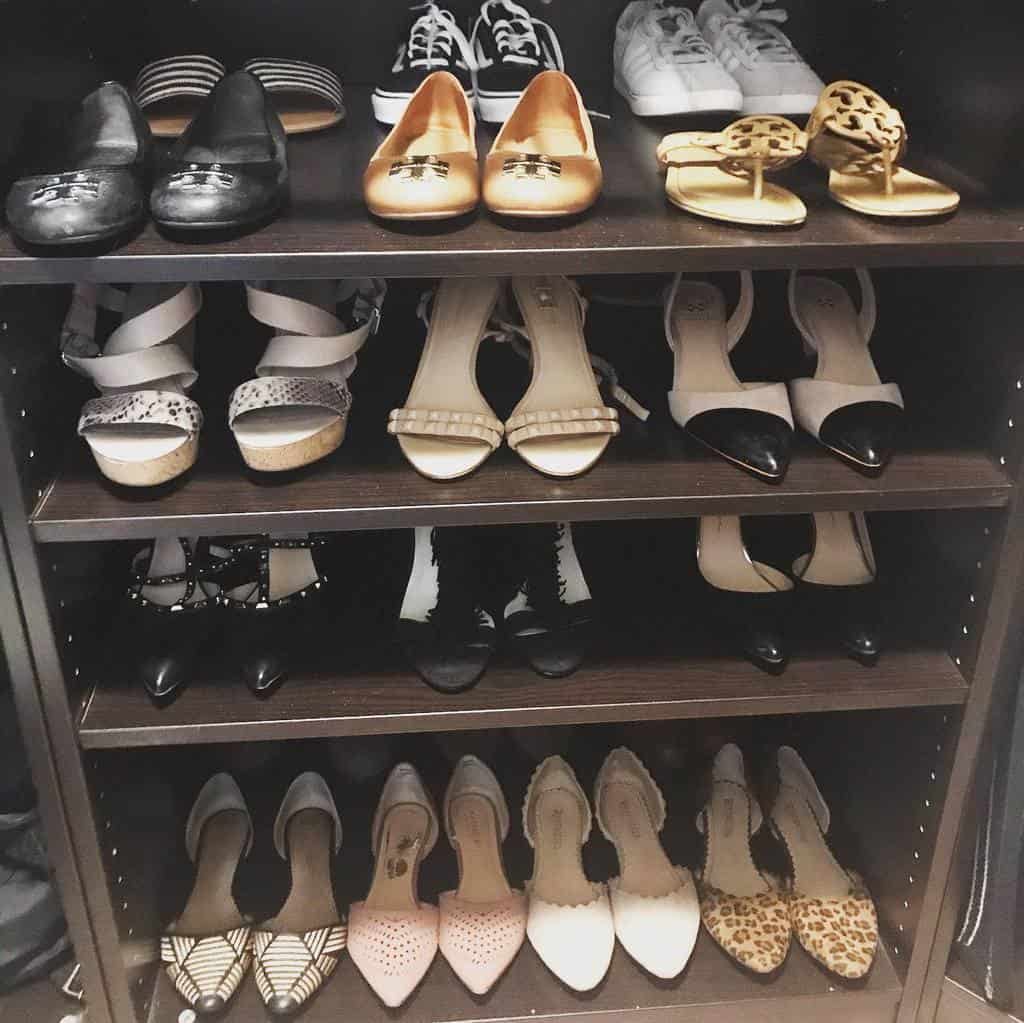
(677, 37)
(754, 26)
(516, 35)
(431, 39)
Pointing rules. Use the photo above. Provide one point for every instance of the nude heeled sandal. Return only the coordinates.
(833, 914)
(483, 922)
(743, 910)
(844, 405)
(654, 902)
(860, 140)
(721, 175)
(392, 936)
(295, 952)
(207, 949)
(570, 922)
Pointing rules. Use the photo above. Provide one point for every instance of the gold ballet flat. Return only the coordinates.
(543, 162)
(426, 169)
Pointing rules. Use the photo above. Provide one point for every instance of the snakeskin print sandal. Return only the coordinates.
(742, 909)
(144, 430)
(296, 410)
(392, 936)
(720, 175)
(296, 951)
(860, 140)
(483, 922)
(207, 949)
(833, 914)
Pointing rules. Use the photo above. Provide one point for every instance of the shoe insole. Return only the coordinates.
(724, 562)
(700, 340)
(827, 312)
(913, 195)
(478, 843)
(211, 907)
(144, 442)
(403, 835)
(729, 865)
(709, 192)
(310, 904)
(289, 572)
(558, 875)
(815, 870)
(562, 375)
(301, 112)
(644, 868)
(168, 118)
(842, 554)
(446, 377)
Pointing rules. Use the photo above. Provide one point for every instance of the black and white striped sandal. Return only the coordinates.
(170, 91)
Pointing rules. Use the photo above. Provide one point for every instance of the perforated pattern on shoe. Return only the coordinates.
(392, 944)
(481, 934)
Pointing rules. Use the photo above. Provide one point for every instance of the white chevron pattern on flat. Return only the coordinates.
(296, 965)
(207, 966)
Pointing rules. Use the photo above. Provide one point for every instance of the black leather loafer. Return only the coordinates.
(230, 167)
(90, 186)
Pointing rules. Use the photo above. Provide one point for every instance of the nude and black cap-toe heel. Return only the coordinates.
(207, 950)
(295, 952)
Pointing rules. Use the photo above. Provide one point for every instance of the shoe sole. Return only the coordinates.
(706, 101)
(787, 103)
(388, 107)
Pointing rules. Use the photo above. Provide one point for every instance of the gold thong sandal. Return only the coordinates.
(860, 140)
(721, 174)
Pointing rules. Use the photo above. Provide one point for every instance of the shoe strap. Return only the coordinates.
(279, 75)
(738, 321)
(560, 423)
(867, 315)
(769, 140)
(853, 130)
(136, 408)
(188, 75)
(445, 423)
(815, 400)
(250, 563)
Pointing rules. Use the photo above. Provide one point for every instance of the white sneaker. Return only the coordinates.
(774, 78)
(664, 66)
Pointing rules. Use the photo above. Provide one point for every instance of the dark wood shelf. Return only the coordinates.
(370, 486)
(326, 231)
(362, 699)
(711, 990)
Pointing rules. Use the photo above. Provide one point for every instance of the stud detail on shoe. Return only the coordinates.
(532, 165)
(419, 168)
(67, 190)
(202, 177)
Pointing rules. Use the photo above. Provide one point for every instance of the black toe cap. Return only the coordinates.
(757, 441)
(164, 676)
(862, 641)
(863, 433)
(283, 1005)
(210, 1005)
(767, 650)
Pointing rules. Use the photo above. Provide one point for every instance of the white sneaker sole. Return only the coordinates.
(496, 107)
(680, 102)
(790, 103)
(388, 107)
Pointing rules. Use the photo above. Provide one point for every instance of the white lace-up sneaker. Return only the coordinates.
(746, 38)
(663, 65)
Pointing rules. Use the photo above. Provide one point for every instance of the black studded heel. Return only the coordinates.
(170, 613)
(274, 597)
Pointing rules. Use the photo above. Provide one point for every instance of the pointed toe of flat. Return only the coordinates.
(392, 949)
(210, 1005)
(863, 433)
(753, 929)
(480, 941)
(658, 933)
(840, 933)
(574, 942)
(291, 968)
(757, 441)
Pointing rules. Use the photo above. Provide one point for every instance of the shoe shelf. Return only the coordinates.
(326, 231)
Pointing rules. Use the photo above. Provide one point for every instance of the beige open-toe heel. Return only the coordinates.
(721, 175)
(207, 949)
(860, 140)
(392, 936)
(295, 952)
(483, 922)
(654, 902)
(833, 915)
(446, 428)
(570, 921)
(561, 426)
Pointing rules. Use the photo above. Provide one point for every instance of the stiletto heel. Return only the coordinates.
(749, 598)
(749, 424)
(570, 921)
(392, 936)
(654, 902)
(844, 405)
(838, 577)
(483, 922)
(742, 910)
(833, 915)
(207, 949)
(296, 951)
